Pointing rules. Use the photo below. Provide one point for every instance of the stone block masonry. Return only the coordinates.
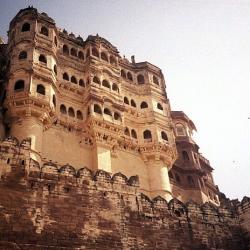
(57, 207)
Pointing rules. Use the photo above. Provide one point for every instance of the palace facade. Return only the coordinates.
(80, 104)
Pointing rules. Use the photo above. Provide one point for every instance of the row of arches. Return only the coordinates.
(105, 83)
(103, 56)
(26, 27)
(73, 52)
(147, 135)
(143, 104)
(73, 79)
(116, 115)
(176, 176)
(71, 112)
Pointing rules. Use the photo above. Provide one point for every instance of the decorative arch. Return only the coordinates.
(159, 106)
(133, 104)
(71, 112)
(126, 131)
(25, 27)
(43, 59)
(129, 76)
(73, 52)
(40, 89)
(81, 83)
(65, 49)
(125, 100)
(115, 87)
(63, 109)
(19, 85)
(22, 55)
(164, 136)
(180, 129)
(155, 80)
(140, 79)
(133, 134)
(123, 74)
(147, 135)
(96, 80)
(73, 79)
(106, 84)
(144, 105)
(81, 55)
(95, 52)
(44, 31)
(65, 76)
(79, 115)
(97, 109)
(117, 116)
(104, 56)
(107, 112)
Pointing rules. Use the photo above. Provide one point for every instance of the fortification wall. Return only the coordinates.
(57, 207)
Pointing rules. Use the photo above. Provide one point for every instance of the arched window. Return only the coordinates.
(185, 155)
(55, 69)
(40, 89)
(63, 109)
(95, 52)
(170, 174)
(123, 74)
(104, 57)
(55, 41)
(147, 135)
(73, 52)
(65, 49)
(159, 106)
(19, 85)
(177, 177)
(71, 112)
(125, 100)
(129, 76)
(79, 115)
(180, 130)
(65, 76)
(81, 55)
(22, 55)
(140, 79)
(42, 58)
(190, 180)
(81, 83)
(112, 60)
(44, 31)
(26, 27)
(133, 134)
(97, 109)
(106, 84)
(115, 87)
(107, 112)
(155, 80)
(54, 100)
(133, 104)
(126, 132)
(164, 136)
(96, 80)
(117, 116)
(144, 105)
(73, 79)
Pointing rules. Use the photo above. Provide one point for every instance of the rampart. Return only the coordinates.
(57, 207)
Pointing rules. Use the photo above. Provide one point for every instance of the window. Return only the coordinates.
(164, 136)
(133, 134)
(125, 99)
(55, 40)
(73, 80)
(112, 60)
(55, 69)
(129, 76)
(115, 87)
(73, 52)
(147, 135)
(97, 109)
(95, 52)
(81, 55)
(79, 115)
(155, 80)
(126, 132)
(140, 79)
(42, 58)
(65, 76)
(65, 49)
(26, 27)
(40, 89)
(144, 105)
(180, 130)
(71, 112)
(159, 106)
(63, 109)
(54, 100)
(96, 80)
(133, 104)
(107, 112)
(123, 74)
(44, 31)
(81, 83)
(185, 155)
(106, 84)
(22, 55)
(117, 116)
(104, 57)
(190, 180)
(177, 177)
(19, 85)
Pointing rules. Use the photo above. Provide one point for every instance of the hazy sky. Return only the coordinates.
(203, 48)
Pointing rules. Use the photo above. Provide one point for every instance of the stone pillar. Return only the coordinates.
(33, 128)
(159, 180)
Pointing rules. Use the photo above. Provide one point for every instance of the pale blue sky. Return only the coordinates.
(203, 48)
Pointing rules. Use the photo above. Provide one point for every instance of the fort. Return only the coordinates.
(93, 157)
